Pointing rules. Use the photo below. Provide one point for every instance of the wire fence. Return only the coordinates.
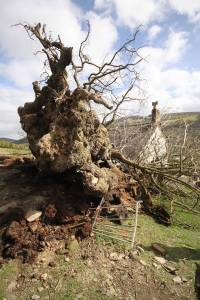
(120, 228)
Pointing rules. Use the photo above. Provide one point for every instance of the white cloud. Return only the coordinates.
(21, 67)
(18, 64)
(154, 31)
(176, 89)
(102, 38)
(105, 5)
(135, 12)
(61, 17)
(170, 53)
(186, 7)
(21, 72)
(132, 13)
(10, 99)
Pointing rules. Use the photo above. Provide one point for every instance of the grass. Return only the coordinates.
(65, 287)
(9, 145)
(175, 239)
(8, 272)
(8, 148)
(181, 243)
(9, 151)
(182, 249)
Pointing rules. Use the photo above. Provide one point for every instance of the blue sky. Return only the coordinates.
(170, 34)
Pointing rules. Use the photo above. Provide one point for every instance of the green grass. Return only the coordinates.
(182, 246)
(172, 238)
(66, 286)
(8, 148)
(180, 216)
(8, 272)
(175, 238)
(181, 243)
(9, 145)
(10, 151)
(182, 249)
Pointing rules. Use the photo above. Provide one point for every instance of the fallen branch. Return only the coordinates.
(150, 170)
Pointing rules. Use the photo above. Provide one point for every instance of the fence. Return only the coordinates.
(106, 225)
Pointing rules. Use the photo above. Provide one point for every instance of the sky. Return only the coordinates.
(170, 36)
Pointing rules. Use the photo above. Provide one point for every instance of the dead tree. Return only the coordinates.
(63, 132)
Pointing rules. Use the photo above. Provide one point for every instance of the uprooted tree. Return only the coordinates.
(65, 133)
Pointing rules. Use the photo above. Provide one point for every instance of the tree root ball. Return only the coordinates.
(65, 135)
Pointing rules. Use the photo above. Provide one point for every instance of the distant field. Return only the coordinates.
(8, 148)
(10, 151)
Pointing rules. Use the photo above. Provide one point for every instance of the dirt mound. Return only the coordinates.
(65, 210)
(25, 240)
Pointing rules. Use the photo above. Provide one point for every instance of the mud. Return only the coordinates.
(66, 210)
(24, 240)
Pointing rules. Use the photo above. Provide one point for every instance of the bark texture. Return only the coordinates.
(65, 134)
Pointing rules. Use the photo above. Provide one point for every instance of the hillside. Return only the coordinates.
(130, 131)
(171, 118)
(20, 141)
(168, 121)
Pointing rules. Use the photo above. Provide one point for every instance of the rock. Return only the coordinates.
(44, 276)
(108, 282)
(33, 215)
(156, 266)
(121, 256)
(114, 256)
(89, 263)
(125, 277)
(61, 251)
(40, 289)
(158, 249)
(160, 260)
(135, 252)
(184, 279)
(73, 245)
(12, 286)
(171, 269)
(33, 227)
(111, 291)
(52, 264)
(35, 297)
(109, 276)
(177, 279)
(133, 255)
(142, 262)
(67, 259)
